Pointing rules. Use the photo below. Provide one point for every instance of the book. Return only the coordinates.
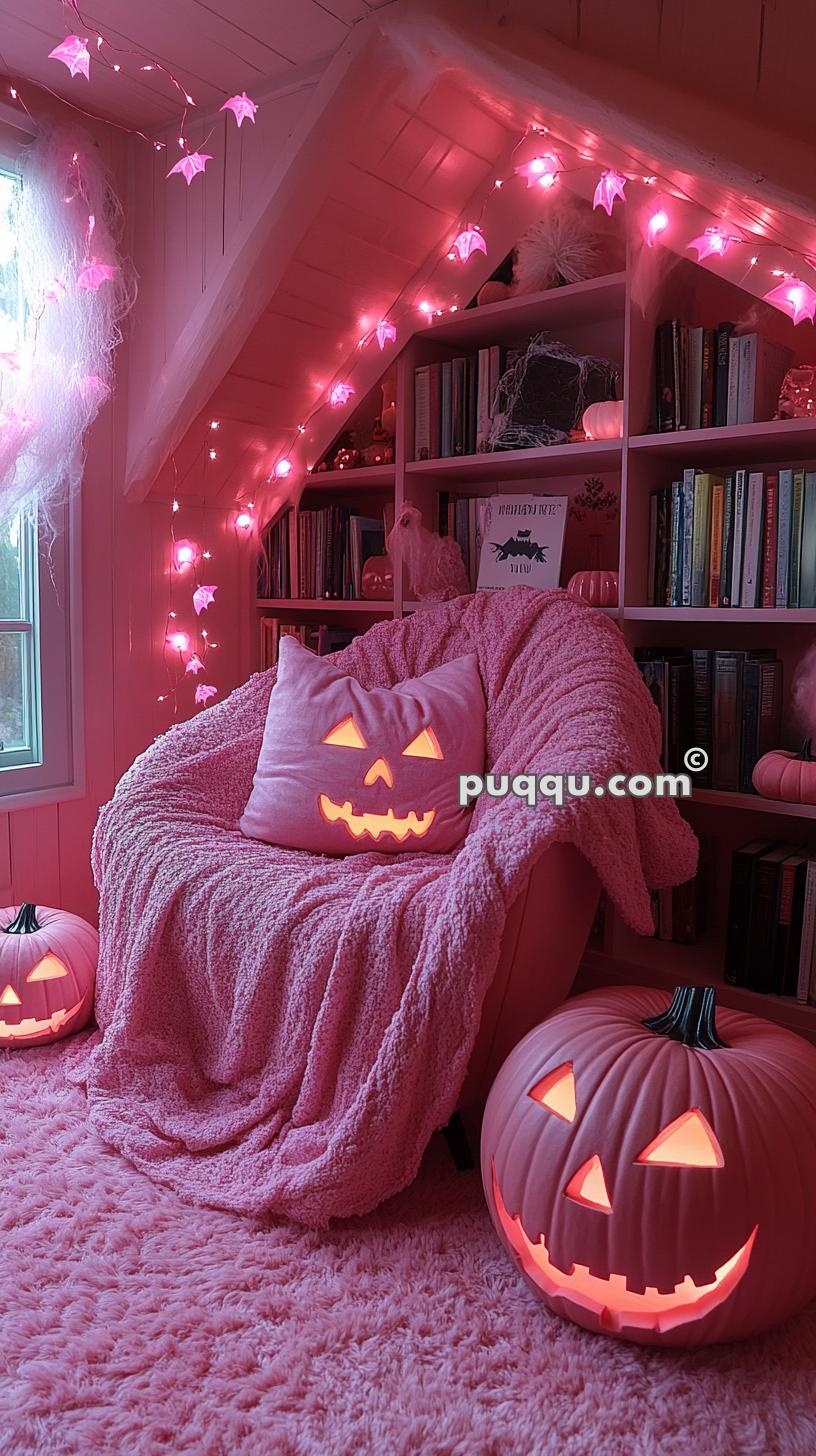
(783, 538)
(727, 689)
(687, 514)
(746, 379)
(769, 534)
(483, 420)
(446, 440)
(740, 497)
(458, 405)
(807, 556)
(664, 378)
(523, 539)
(733, 380)
(758, 972)
(677, 375)
(752, 549)
(702, 710)
(727, 542)
(716, 544)
(695, 379)
(650, 566)
(709, 372)
(724, 332)
(676, 545)
(808, 937)
(435, 410)
(703, 484)
(797, 506)
(784, 967)
(743, 865)
(763, 365)
(422, 412)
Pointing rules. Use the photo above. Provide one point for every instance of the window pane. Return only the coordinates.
(10, 573)
(11, 313)
(13, 727)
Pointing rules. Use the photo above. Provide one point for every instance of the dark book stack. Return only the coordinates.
(453, 403)
(462, 516)
(681, 912)
(274, 579)
(771, 919)
(708, 377)
(727, 703)
(333, 545)
(741, 539)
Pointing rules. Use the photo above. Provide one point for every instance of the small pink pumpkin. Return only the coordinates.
(604, 421)
(378, 579)
(652, 1171)
(596, 588)
(47, 969)
(788, 776)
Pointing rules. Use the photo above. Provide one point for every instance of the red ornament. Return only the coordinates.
(653, 1173)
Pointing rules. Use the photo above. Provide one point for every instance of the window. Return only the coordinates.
(38, 745)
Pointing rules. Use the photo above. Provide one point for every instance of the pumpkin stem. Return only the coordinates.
(25, 921)
(805, 752)
(690, 1019)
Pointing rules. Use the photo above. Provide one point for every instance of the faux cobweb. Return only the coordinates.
(542, 395)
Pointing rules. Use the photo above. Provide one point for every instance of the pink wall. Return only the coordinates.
(44, 851)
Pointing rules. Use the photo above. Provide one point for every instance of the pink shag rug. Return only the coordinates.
(131, 1322)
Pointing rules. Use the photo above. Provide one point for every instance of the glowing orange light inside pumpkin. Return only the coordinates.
(48, 969)
(687, 1142)
(425, 745)
(556, 1091)
(346, 734)
(588, 1186)
(10, 997)
(379, 770)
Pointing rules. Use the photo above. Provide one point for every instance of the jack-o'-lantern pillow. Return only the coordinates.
(347, 770)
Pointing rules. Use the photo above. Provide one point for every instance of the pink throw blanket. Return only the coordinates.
(284, 1031)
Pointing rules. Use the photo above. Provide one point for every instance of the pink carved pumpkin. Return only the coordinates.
(653, 1174)
(47, 968)
(789, 776)
(597, 588)
(603, 421)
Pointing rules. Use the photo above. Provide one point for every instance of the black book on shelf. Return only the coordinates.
(665, 403)
(743, 868)
(724, 332)
(759, 961)
(727, 692)
(702, 733)
(792, 878)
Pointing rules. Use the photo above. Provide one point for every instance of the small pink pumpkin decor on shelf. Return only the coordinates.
(598, 588)
(377, 584)
(787, 776)
(603, 421)
(652, 1169)
(47, 971)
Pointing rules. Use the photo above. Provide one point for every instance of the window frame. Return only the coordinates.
(59, 772)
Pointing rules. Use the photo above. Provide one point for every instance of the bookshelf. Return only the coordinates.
(603, 317)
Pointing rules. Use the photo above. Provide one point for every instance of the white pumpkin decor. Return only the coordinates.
(604, 421)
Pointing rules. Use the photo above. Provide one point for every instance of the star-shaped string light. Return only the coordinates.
(340, 394)
(470, 240)
(794, 297)
(204, 692)
(203, 597)
(195, 665)
(713, 242)
(385, 332)
(541, 171)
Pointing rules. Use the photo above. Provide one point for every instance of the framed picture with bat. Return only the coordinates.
(522, 541)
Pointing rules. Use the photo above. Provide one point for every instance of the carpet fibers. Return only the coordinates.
(133, 1323)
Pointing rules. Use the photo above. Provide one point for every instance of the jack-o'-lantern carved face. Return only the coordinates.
(345, 769)
(637, 1176)
(365, 823)
(47, 969)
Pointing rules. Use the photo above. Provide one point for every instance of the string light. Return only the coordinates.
(657, 224)
(213, 454)
(794, 297)
(712, 241)
(283, 468)
(244, 520)
(215, 424)
(340, 394)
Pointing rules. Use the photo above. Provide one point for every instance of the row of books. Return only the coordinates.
(322, 639)
(728, 703)
(333, 544)
(453, 402)
(707, 377)
(771, 940)
(680, 912)
(743, 539)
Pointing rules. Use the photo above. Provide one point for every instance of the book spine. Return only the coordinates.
(695, 378)
(724, 332)
(446, 444)
(677, 375)
(749, 725)
(483, 400)
(739, 909)
(797, 506)
(458, 406)
(727, 675)
(664, 378)
(435, 410)
(688, 535)
(709, 373)
(716, 545)
(701, 700)
(747, 379)
(763, 924)
(808, 928)
(676, 545)
(702, 534)
(728, 542)
(752, 551)
(733, 380)
(662, 594)
(783, 539)
(740, 491)
(422, 412)
(768, 596)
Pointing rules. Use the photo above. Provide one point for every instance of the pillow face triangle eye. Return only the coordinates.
(345, 734)
(425, 745)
